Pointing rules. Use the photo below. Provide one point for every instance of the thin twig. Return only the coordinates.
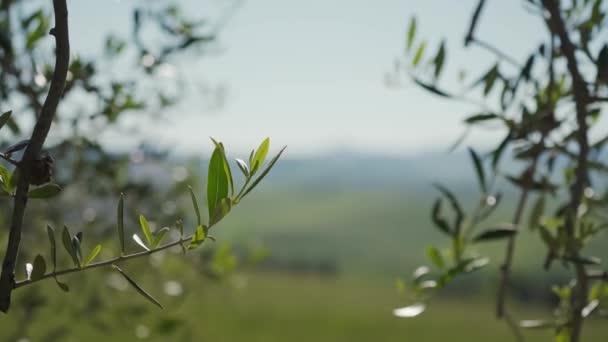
(32, 152)
(109, 262)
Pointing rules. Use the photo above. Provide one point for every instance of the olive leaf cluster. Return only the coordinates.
(222, 197)
(549, 107)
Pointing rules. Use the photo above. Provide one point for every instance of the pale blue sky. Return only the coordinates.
(310, 73)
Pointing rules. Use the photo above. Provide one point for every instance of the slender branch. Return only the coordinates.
(32, 152)
(505, 268)
(496, 51)
(582, 98)
(109, 262)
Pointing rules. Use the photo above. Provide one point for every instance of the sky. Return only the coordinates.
(310, 74)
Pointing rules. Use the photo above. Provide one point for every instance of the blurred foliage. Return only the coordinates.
(547, 106)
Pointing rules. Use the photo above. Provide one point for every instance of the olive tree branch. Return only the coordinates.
(581, 98)
(109, 262)
(32, 152)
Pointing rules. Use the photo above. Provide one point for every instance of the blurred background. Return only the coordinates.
(317, 251)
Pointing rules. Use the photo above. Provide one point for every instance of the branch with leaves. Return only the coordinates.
(221, 199)
(553, 146)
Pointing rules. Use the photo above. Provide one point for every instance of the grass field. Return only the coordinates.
(372, 237)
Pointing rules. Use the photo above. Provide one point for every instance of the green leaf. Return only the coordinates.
(536, 213)
(4, 118)
(198, 237)
(195, 204)
(455, 206)
(411, 34)
(439, 221)
(14, 179)
(481, 175)
(264, 172)
(121, 223)
(51, 233)
(45, 191)
(480, 117)
(260, 155)
(221, 210)
(439, 59)
(431, 88)
(490, 79)
(497, 233)
(92, 255)
(499, 150)
(76, 242)
(217, 180)
(138, 241)
(137, 287)
(66, 238)
(419, 54)
(145, 228)
(39, 268)
(435, 257)
(243, 166)
(63, 286)
(226, 166)
(158, 237)
(6, 178)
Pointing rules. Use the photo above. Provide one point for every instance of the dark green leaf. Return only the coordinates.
(264, 172)
(439, 59)
(39, 268)
(92, 255)
(197, 211)
(51, 233)
(439, 221)
(481, 175)
(4, 118)
(198, 237)
(536, 213)
(455, 206)
(217, 180)
(137, 287)
(490, 79)
(497, 233)
(145, 229)
(481, 117)
(66, 238)
(45, 191)
(431, 88)
(121, 224)
(499, 150)
(64, 287)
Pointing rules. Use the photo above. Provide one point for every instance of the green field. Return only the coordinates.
(371, 237)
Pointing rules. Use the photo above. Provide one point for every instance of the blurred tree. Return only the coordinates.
(547, 104)
(83, 100)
